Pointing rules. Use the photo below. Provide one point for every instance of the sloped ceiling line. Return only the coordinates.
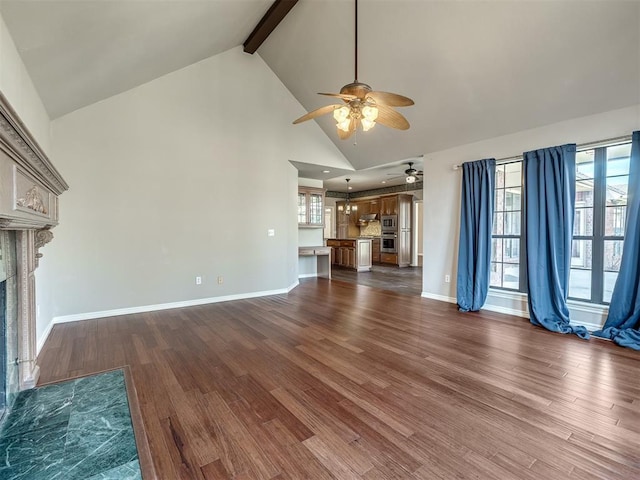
(268, 24)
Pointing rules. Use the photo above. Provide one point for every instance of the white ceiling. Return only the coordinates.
(476, 69)
(78, 52)
(388, 175)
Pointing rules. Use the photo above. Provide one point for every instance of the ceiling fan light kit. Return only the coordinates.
(411, 174)
(364, 107)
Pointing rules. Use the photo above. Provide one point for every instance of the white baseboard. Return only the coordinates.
(505, 310)
(152, 308)
(524, 314)
(43, 338)
(442, 298)
(574, 307)
(592, 327)
(307, 275)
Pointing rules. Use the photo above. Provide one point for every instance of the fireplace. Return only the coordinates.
(29, 190)
(8, 319)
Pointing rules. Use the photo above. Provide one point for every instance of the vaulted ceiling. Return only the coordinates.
(476, 69)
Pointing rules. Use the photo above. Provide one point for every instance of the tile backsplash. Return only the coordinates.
(372, 229)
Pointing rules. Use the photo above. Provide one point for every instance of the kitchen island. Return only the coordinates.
(354, 253)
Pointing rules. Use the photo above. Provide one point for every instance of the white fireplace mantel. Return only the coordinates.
(29, 190)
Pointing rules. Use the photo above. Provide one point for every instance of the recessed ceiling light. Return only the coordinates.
(326, 171)
(384, 181)
(350, 188)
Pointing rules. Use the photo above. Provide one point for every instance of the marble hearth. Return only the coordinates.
(29, 190)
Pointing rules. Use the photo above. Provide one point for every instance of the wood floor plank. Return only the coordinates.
(336, 380)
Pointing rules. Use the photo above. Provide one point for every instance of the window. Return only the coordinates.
(506, 236)
(310, 207)
(602, 180)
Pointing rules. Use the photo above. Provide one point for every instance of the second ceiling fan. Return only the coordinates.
(411, 174)
(363, 106)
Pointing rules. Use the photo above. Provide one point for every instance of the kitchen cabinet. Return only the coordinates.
(363, 209)
(374, 206)
(375, 250)
(403, 238)
(400, 205)
(389, 258)
(310, 207)
(351, 253)
(389, 205)
(404, 230)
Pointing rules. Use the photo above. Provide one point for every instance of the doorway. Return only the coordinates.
(329, 222)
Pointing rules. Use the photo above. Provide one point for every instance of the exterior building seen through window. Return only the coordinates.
(602, 180)
(507, 220)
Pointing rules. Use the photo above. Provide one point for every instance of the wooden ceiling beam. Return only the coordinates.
(268, 24)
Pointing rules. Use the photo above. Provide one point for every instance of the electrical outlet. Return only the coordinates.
(447, 279)
(198, 280)
(220, 280)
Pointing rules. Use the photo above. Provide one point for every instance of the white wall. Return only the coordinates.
(442, 196)
(16, 86)
(178, 178)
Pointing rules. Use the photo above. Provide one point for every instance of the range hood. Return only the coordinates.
(367, 218)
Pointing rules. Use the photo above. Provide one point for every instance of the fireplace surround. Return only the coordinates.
(29, 190)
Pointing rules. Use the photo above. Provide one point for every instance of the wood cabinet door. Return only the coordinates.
(374, 207)
(389, 205)
(375, 250)
(389, 258)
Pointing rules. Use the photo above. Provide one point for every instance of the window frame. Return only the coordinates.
(522, 244)
(598, 235)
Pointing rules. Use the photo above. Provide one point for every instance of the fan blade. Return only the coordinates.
(344, 135)
(396, 174)
(316, 113)
(343, 96)
(388, 117)
(390, 99)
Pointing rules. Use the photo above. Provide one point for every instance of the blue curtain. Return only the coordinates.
(549, 195)
(623, 323)
(476, 219)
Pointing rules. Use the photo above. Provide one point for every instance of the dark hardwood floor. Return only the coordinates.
(339, 380)
(407, 281)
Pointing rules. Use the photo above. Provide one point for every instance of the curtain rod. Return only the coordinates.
(582, 146)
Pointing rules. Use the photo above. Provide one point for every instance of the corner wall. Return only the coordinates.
(17, 87)
(178, 178)
(442, 200)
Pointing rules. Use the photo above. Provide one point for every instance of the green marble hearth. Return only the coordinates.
(78, 429)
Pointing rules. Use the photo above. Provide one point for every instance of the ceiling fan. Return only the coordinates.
(410, 173)
(364, 106)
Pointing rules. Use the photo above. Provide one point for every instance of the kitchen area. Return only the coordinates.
(344, 237)
(385, 220)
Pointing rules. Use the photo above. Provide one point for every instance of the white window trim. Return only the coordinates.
(589, 315)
